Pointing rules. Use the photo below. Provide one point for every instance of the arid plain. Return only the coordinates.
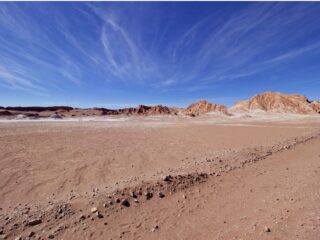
(210, 177)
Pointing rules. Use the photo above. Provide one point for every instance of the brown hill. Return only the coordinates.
(148, 110)
(278, 103)
(316, 106)
(39, 109)
(204, 106)
(54, 112)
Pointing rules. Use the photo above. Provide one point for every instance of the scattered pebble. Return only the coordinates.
(34, 222)
(160, 195)
(266, 229)
(155, 228)
(125, 203)
(51, 236)
(99, 215)
(94, 209)
(148, 195)
(167, 178)
(133, 194)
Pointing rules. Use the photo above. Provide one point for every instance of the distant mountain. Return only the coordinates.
(148, 110)
(64, 111)
(265, 102)
(277, 103)
(202, 107)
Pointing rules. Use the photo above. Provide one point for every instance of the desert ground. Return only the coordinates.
(163, 177)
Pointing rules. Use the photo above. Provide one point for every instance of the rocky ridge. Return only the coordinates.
(268, 102)
(277, 103)
(203, 106)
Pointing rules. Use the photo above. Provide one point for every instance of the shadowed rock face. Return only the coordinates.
(204, 106)
(316, 106)
(64, 111)
(5, 113)
(39, 109)
(278, 103)
(148, 110)
(265, 102)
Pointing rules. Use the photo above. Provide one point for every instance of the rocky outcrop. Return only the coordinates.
(5, 113)
(148, 110)
(316, 106)
(39, 109)
(265, 102)
(203, 107)
(277, 103)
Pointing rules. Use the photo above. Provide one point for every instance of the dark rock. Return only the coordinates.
(155, 228)
(167, 178)
(148, 195)
(266, 229)
(133, 194)
(34, 222)
(125, 203)
(160, 195)
(99, 215)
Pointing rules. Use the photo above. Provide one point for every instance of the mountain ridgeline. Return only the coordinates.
(268, 102)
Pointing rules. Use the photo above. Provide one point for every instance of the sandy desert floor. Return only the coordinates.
(205, 178)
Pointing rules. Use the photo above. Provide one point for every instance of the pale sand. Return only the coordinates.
(65, 161)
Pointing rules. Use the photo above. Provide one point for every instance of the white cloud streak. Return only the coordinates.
(105, 39)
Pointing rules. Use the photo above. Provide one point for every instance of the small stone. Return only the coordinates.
(125, 203)
(34, 222)
(155, 228)
(118, 200)
(31, 234)
(160, 195)
(18, 238)
(266, 229)
(133, 194)
(184, 196)
(94, 209)
(82, 217)
(167, 178)
(51, 236)
(148, 195)
(99, 215)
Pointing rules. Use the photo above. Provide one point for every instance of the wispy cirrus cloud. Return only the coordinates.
(52, 45)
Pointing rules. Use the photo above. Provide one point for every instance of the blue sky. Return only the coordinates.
(122, 54)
